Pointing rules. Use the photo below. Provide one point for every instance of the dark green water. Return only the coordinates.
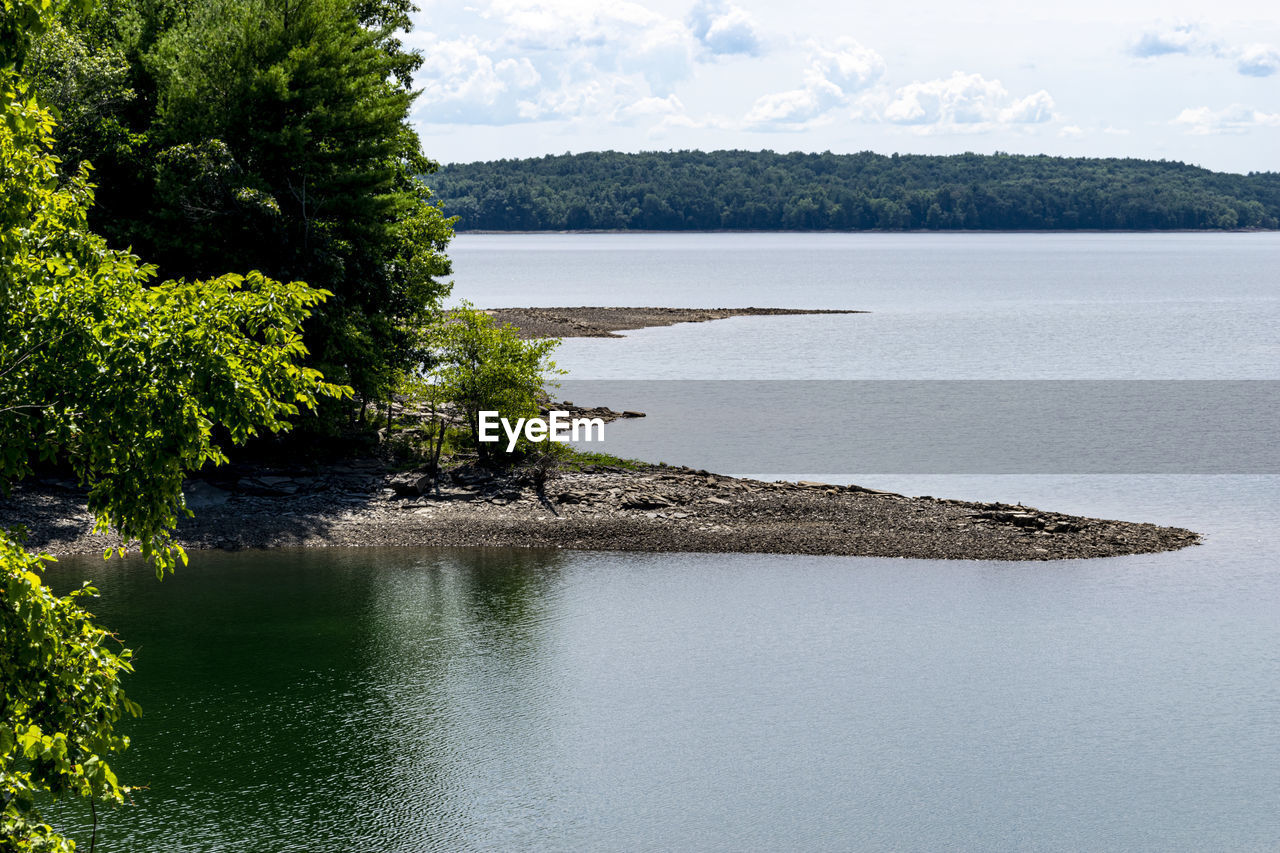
(311, 701)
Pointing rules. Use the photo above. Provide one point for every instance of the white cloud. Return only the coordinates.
(1258, 60)
(849, 66)
(461, 83)
(725, 28)
(583, 38)
(648, 108)
(1033, 109)
(1236, 118)
(1075, 131)
(792, 109)
(552, 59)
(964, 102)
(561, 25)
(1252, 60)
(586, 98)
(1161, 40)
(833, 75)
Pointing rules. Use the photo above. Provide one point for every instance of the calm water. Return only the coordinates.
(944, 306)
(495, 700)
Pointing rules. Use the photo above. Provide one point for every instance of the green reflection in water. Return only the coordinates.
(318, 700)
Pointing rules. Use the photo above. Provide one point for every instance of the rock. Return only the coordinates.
(199, 494)
(411, 484)
(259, 487)
(469, 475)
(1019, 519)
(644, 500)
(720, 501)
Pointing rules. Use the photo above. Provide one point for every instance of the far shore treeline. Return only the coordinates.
(763, 190)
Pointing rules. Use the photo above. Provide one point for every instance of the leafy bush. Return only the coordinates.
(481, 365)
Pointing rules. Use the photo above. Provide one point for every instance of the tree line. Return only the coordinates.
(763, 190)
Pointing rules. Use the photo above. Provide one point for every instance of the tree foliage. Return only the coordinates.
(62, 697)
(745, 190)
(125, 381)
(268, 135)
(122, 379)
(483, 365)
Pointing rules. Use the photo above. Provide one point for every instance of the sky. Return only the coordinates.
(1176, 80)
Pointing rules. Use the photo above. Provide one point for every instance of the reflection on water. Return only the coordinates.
(331, 695)
(407, 700)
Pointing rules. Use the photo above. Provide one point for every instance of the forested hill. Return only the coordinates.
(695, 190)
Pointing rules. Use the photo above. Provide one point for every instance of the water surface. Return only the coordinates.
(944, 306)
(407, 700)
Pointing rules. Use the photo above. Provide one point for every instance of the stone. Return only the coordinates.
(470, 475)
(199, 494)
(259, 487)
(411, 484)
(644, 500)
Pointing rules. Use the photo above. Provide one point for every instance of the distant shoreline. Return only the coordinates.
(606, 321)
(462, 232)
(864, 191)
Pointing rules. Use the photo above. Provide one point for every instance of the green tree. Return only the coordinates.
(270, 135)
(483, 365)
(125, 382)
(62, 698)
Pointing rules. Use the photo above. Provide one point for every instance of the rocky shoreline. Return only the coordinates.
(600, 507)
(596, 322)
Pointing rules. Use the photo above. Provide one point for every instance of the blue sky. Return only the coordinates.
(1176, 80)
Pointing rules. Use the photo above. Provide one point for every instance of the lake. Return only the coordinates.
(452, 700)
